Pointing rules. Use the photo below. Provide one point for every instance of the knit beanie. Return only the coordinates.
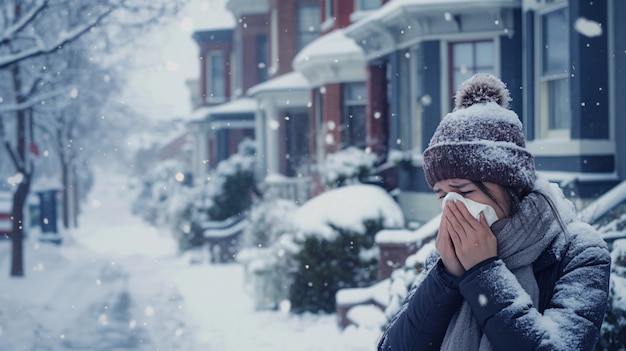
(481, 139)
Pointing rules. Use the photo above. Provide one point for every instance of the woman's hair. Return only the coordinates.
(515, 196)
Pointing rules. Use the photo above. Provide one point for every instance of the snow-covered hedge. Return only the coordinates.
(613, 332)
(312, 251)
(348, 166)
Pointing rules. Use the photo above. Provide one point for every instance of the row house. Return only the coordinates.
(310, 77)
(314, 101)
(560, 59)
(224, 117)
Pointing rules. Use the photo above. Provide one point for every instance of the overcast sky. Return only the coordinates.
(159, 87)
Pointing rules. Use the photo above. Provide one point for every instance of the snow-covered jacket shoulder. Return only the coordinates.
(573, 278)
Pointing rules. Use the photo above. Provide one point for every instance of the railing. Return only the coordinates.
(297, 190)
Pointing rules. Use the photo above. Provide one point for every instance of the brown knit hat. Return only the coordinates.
(481, 140)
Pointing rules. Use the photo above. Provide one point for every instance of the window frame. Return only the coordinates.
(350, 104)
(214, 71)
(358, 5)
(474, 68)
(544, 118)
(306, 36)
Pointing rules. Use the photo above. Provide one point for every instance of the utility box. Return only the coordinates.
(48, 215)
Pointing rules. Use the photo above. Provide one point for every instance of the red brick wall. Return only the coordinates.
(248, 28)
(331, 111)
(377, 128)
(392, 256)
(286, 34)
(343, 9)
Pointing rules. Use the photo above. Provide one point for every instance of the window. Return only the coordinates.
(353, 120)
(469, 58)
(329, 11)
(261, 57)
(297, 134)
(216, 82)
(555, 92)
(364, 5)
(308, 24)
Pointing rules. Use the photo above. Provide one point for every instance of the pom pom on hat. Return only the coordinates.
(480, 89)
(481, 140)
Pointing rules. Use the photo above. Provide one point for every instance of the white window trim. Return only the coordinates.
(568, 147)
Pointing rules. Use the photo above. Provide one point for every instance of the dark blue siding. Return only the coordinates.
(581, 163)
(429, 73)
(619, 35)
(589, 73)
(511, 63)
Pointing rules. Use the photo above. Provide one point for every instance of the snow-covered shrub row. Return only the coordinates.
(164, 199)
(306, 254)
(348, 166)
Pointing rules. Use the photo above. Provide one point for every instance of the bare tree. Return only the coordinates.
(37, 33)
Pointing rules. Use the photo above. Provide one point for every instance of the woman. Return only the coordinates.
(536, 279)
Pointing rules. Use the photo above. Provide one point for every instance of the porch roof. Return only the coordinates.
(402, 23)
(331, 58)
(287, 82)
(237, 106)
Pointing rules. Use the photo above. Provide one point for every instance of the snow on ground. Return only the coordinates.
(116, 283)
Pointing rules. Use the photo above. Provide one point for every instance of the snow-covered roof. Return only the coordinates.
(46, 183)
(240, 8)
(286, 82)
(331, 58)
(240, 105)
(347, 207)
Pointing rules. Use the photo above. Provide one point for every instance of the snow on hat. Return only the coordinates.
(481, 139)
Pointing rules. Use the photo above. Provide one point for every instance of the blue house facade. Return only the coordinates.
(561, 60)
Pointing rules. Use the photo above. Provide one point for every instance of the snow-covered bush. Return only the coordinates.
(348, 260)
(268, 251)
(613, 332)
(155, 192)
(231, 186)
(348, 166)
(269, 220)
(165, 201)
(336, 248)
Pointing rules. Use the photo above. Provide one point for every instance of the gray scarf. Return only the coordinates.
(521, 239)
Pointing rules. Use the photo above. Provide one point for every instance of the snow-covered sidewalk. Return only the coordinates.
(116, 283)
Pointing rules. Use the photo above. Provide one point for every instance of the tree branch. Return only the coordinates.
(63, 39)
(16, 162)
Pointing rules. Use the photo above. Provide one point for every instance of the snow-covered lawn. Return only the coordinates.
(116, 283)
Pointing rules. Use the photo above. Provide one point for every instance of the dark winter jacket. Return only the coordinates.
(573, 278)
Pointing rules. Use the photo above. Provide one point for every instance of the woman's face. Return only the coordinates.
(469, 190)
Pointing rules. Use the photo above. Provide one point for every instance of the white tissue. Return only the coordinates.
(475, 208)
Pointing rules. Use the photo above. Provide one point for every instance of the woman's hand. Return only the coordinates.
(444, 246)
(472, 239)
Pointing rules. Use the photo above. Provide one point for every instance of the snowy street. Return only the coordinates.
(117, 284)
